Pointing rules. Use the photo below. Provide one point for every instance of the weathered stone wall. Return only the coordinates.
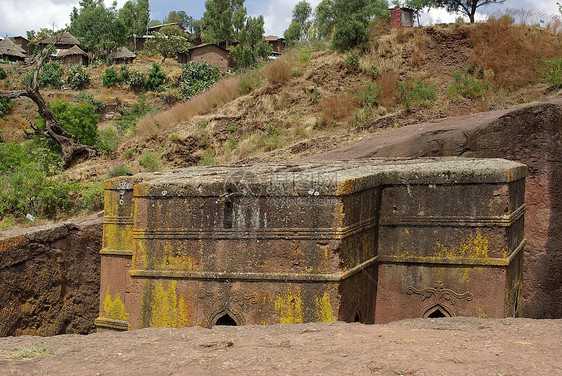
(49, 278)
(531, 135)
(369, 241)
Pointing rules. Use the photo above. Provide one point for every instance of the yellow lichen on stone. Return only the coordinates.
(481, 313)
(165, 309)
(471, 247)
(324, 308)
(288, 307)
(114, 307)
(139, 254)
(10, 244)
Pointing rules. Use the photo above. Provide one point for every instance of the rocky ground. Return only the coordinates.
(454, 346)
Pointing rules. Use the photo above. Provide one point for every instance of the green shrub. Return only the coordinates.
(150, 161)
(371, 94)
(156, 78)
(25, 187)
(352, 61)
(108, 140)
(296, 73)
(77, 77)
(207, 160)
(6, 106)
(270, 139)
(467, 86)
(91, 198)
(3, 74)
(119, 170)
(416, 93)
(249, 82)
(128, 154)
(197, 77)
(553, 71)
(79, 120)
(349, 34)
(304, 54)
(124, 73)
(133, 114)
(89, 98)
(51, 74)
(315, 94)
(110, 77)
(137, 81)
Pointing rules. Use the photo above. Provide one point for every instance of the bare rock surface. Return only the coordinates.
(453, 346)
(49, 278)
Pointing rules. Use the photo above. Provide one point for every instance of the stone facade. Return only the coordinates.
(369, 241)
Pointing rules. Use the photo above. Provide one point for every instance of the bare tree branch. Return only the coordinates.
(70, 147)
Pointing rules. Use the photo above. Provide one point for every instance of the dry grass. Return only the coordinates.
(223, 92)
(419, 53)
(513, 53)
(337, 108)
(525, 17)
(403, 34)
(400, 49)
(279, 71)
(389, 93)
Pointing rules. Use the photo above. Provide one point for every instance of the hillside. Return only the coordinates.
(314, 99)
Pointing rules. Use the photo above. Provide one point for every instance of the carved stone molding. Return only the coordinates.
(439, 293)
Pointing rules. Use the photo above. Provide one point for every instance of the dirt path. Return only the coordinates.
(455, 346)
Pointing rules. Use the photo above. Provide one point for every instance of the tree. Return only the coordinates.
(324, 18)
(129, 17)
(98, 28)
(222, 20)
(168, 42)
(53, 130)
(34, 37)
(179, 17)
(251, 44)
(143, 14)
(300, 23)
(352, 20)
(467, 7)
(417, 6)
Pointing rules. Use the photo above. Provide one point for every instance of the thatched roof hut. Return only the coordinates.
(11, 51)
(123, 56)
(63, 40)
(73, 56)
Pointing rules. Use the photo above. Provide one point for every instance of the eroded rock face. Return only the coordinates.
(49, 278)
(530, 135)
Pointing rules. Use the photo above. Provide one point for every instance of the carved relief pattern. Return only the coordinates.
(227, 300)
(440, 293)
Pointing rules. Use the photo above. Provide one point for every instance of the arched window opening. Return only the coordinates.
(226, 320)
(436, 312)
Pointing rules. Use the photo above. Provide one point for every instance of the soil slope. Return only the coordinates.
(452, 346)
